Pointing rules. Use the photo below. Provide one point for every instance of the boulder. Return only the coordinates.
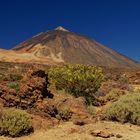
(102, 133)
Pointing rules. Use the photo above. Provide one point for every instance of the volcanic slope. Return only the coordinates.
(62, 46)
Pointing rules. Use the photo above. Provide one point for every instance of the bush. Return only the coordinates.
(14, 122)
(11, 77)
(64, 114)
(1, 77)
(127, 109)
(123, 78)
(15, 73)
(15, 77)
(115, 94)
(91, 109)
(14, 85)
(78, 80)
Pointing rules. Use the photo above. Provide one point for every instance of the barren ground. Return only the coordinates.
(69, 131)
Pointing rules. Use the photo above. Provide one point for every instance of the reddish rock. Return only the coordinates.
(80, 122)
(32, 92)
(101, 133)
(33, 88)
(119, 136)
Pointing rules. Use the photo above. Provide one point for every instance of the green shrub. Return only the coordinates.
(14, 122)
(1, 77)
(12, 77)
(123, 78)
(14, 85)
(127, 109)
(64, 114)
(15, 77)
(115, 94)
(78, 80)
(91, 109)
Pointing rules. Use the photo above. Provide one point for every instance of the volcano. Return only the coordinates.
(63, 46)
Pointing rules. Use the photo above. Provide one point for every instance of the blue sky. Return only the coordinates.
(114, 23)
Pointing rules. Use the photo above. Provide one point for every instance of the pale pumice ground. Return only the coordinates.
(69, 131)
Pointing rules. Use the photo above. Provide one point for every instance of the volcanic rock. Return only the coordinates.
(33, 89)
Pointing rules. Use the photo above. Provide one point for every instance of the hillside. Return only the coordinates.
(61, 45)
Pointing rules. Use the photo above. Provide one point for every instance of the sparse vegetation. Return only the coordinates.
(78, 80)
(14, 122)
(115, 94)
(123, 78)
(91, 110)
(10, 77)
(15, 77)
(1, 76)
(14, 85)
(64, 114)
(127, 109)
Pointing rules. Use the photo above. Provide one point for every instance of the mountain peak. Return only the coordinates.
(62, 46)
(60, 28)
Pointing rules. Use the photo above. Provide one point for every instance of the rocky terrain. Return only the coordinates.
(66, 86)
(56, 114)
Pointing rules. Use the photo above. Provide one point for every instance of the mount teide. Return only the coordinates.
(62, 46)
